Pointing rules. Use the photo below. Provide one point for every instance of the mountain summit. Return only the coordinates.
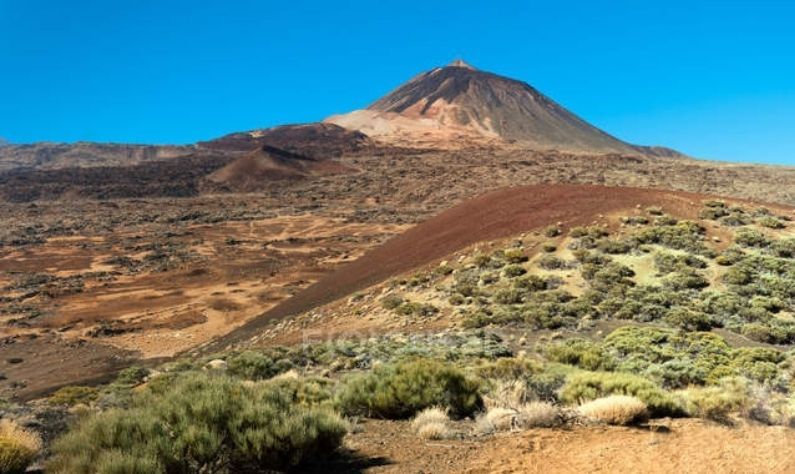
(458, 101)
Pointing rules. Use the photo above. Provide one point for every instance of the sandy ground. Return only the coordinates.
(666, 446)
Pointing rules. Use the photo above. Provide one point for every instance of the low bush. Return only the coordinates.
(615, 410)
(770, 222)
(496, 419)
(751, 238)
(432, 423)
(586, 386)
(551, 262)
(252, 365)
(718, 402)
(18, 447)
(201, 423)
(73, 395)
(551, 231)
(581, 353)
(391, 302)
(513, 271)
(515, 256)
(401, 390)
(538, 415)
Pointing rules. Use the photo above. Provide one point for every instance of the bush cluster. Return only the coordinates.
(202, 423)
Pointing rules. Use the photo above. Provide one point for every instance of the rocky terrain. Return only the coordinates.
(465, 231)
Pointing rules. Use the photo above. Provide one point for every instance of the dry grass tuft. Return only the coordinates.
(435, 431)
(429, 416)
(18, 447)
(432, 423)
(538, 415)
(615, 410)
(496, 419)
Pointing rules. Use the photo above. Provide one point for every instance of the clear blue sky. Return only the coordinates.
(713, 79)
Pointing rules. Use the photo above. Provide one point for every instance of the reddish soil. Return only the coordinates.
(666, 446)
(493, 216)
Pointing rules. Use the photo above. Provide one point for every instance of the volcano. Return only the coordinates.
(459, 101)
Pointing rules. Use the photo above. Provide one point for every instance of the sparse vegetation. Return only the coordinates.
(18, 447)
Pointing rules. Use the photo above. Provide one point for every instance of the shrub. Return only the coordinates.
(581, 353)
(784, 248)
(18, 447)
(551, 231)
(515, 256)
(435, 431)
(131, 376)
(496, 419)
(410, 308)
(391, 302)
(73, 395)
(201, 423)
(688, 320)
(432, 423)
(718, 402)
(538, 415)
(614, 246)
(551, 262)
(592, 385)
(686, 280)
(252, 365)
(615, 410)
(513, 271)
(400, 390)
(428, 416)
(770, 222)
(667, 262)
(751, 238)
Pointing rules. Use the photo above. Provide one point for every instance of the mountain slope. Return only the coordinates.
(258, 169)
(463, 101)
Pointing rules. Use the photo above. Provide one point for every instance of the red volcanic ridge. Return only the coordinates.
(496, 215)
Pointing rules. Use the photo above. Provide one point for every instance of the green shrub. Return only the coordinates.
(751, 238)
(667, 262)
(410, 308)
(551, 262)
(581, 353)
(614, 246)
(252, 365)
(515, 256)
(784, 248)
(401, 390)
(770, 222)
(131, 376)
(551, 231)
(718, 402)
(513, 271)
(585, 386)
(688, 320)
(684, 235)
(391, 302)
(685, 279)
(73, 395)
(201, 423)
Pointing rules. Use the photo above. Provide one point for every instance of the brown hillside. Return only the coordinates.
(496, 215)
(255, 170)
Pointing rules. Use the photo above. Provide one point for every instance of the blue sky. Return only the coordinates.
(713, 79)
